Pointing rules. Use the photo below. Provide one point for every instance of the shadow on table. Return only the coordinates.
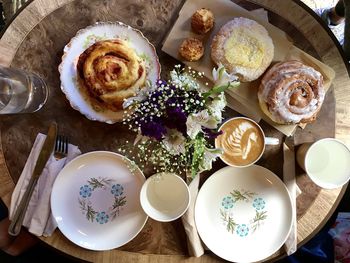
(320, 249)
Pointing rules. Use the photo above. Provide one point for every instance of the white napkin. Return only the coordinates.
(38, 218)
(194, 242)
(294, 191)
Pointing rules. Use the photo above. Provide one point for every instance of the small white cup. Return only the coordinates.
(165, 197)
(326, 162)
(266, 141)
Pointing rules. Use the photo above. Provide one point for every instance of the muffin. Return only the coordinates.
(291, 92)
(191, 49)
(202, 21)
(111, 71)
(244, 48)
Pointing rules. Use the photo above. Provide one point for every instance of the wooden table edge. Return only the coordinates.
(9, 46)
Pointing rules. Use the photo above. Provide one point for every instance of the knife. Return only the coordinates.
(44, 155)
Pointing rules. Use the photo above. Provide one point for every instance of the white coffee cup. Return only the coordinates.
(231, 153)
(326, 162)
(165, 197)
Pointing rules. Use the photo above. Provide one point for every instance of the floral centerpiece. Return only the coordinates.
(175, 120)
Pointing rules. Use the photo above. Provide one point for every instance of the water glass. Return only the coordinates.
(21, 91)
(326, 162)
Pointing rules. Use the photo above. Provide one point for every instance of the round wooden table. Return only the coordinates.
(34, 40)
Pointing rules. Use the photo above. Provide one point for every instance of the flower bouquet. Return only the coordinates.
(175, 121)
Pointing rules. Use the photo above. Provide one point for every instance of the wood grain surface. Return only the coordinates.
(35, 40)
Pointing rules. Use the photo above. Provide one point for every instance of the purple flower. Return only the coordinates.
(154, 129)
(176, 119)
(161, 82)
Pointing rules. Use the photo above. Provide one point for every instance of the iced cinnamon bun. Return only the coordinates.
(291, 92)
(111, 71)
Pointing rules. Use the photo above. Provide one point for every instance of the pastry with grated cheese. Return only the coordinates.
(244, 48)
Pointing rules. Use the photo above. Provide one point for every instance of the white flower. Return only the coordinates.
(174, 142)
(221, 77)
(209, 156)
(183, 80)
(195, 122)
(217, 105)
(141, 95)
(193, 126)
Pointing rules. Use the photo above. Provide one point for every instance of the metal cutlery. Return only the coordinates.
(61, 147)
(45, 153)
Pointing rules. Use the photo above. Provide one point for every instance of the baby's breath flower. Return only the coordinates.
(171, 120)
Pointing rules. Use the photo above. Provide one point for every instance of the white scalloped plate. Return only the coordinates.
(95, 200)
(243, 214)
(85, 38)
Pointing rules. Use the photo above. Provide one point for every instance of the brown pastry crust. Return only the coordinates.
(291, 92)
(111, 72)
(191, 49)
(244, 48)
(202, 21)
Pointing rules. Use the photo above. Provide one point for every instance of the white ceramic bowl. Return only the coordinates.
(165, 197)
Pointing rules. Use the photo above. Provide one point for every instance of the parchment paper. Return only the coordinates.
(246, 93)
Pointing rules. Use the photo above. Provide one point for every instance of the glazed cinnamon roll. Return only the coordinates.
(111, 72)
(291, 92)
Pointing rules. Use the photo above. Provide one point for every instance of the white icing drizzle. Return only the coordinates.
(279, 79)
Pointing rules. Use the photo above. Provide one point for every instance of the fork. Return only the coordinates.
(61, 147)
(60, 151)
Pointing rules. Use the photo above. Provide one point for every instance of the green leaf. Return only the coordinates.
(219, 89)
(198, 153)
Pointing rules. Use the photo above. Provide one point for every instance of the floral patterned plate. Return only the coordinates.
(84, 38)
(96, 200)
(243, 214)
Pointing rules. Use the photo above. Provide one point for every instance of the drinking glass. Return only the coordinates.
(326, 162)
(21, 91)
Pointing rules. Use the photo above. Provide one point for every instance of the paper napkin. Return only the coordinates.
(194, 243)
(38, 218)
(294, 191)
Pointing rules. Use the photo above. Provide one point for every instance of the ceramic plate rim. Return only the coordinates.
(283, 186)
(66, 50)
(115, 155)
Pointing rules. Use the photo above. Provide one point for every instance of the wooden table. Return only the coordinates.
(34, 41)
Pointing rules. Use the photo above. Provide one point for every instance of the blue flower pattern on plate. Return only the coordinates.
(102, 217)
(231, 206)
(85, 191)
(259, 203)
(227, 202)
(117, 190)
(242, 230)
(85, 200)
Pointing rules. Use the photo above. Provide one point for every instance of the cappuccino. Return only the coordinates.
(242, 142)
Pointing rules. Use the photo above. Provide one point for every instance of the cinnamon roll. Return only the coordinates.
(291, 92)
(111, 71)
(243, 47)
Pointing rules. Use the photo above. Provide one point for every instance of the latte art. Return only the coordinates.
(235, 145)
(242, 142)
